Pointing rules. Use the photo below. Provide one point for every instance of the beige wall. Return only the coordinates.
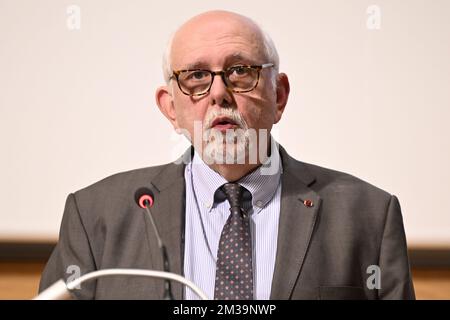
(78, 105)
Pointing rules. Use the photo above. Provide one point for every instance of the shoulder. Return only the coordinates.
(330, 180)
(117, 190)
(349, 200)
(124, 180)
(346, 202)
(336, 188)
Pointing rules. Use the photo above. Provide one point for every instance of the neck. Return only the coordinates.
(234, 172)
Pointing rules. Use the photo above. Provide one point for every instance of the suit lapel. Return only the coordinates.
(168, 212)
(295, 226)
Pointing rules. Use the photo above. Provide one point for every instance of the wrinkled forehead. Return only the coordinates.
(216, 43)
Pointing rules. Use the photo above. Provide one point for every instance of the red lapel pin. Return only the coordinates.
(308, 203)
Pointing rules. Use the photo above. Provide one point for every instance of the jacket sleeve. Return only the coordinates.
(72, 256)
(396, 280)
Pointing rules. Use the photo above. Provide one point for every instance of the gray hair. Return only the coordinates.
(271, 54)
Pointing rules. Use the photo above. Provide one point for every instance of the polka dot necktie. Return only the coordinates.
(234, 270)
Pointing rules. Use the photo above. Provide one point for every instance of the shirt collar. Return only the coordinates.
(262, 186)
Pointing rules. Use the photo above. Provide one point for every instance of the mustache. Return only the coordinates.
(232, 114)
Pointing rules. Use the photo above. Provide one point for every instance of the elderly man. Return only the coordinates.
(239, 216)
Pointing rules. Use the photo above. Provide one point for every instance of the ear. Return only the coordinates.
(283, 89)
(164, 100)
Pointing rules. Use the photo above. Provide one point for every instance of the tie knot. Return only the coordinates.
(233, 192)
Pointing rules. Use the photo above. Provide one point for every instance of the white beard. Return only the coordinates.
(230, 147)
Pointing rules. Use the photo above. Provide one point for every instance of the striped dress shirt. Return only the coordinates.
(206, 214)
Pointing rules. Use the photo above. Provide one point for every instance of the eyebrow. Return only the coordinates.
(235, 57)
(196, 65)
(239, 57)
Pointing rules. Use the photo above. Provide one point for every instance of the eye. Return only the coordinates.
(197, 75)
(239, 71)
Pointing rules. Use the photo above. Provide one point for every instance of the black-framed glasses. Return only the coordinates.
(239, 79)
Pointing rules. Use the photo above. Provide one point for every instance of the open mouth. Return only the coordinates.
(224, 123)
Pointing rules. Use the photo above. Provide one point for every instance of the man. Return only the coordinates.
(238, 215)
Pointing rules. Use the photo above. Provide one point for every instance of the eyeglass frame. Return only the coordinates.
(176, 73)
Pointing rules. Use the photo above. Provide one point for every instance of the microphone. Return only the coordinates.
(144, 199)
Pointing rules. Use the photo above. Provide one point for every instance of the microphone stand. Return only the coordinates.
(62, 291)
(167, 285)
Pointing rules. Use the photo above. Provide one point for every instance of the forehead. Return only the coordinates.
(216, 43)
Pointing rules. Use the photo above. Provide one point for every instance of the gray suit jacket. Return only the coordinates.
(323, 250)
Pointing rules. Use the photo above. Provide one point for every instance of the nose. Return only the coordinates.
(219, 94)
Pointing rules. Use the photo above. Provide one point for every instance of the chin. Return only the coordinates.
(219, 151)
